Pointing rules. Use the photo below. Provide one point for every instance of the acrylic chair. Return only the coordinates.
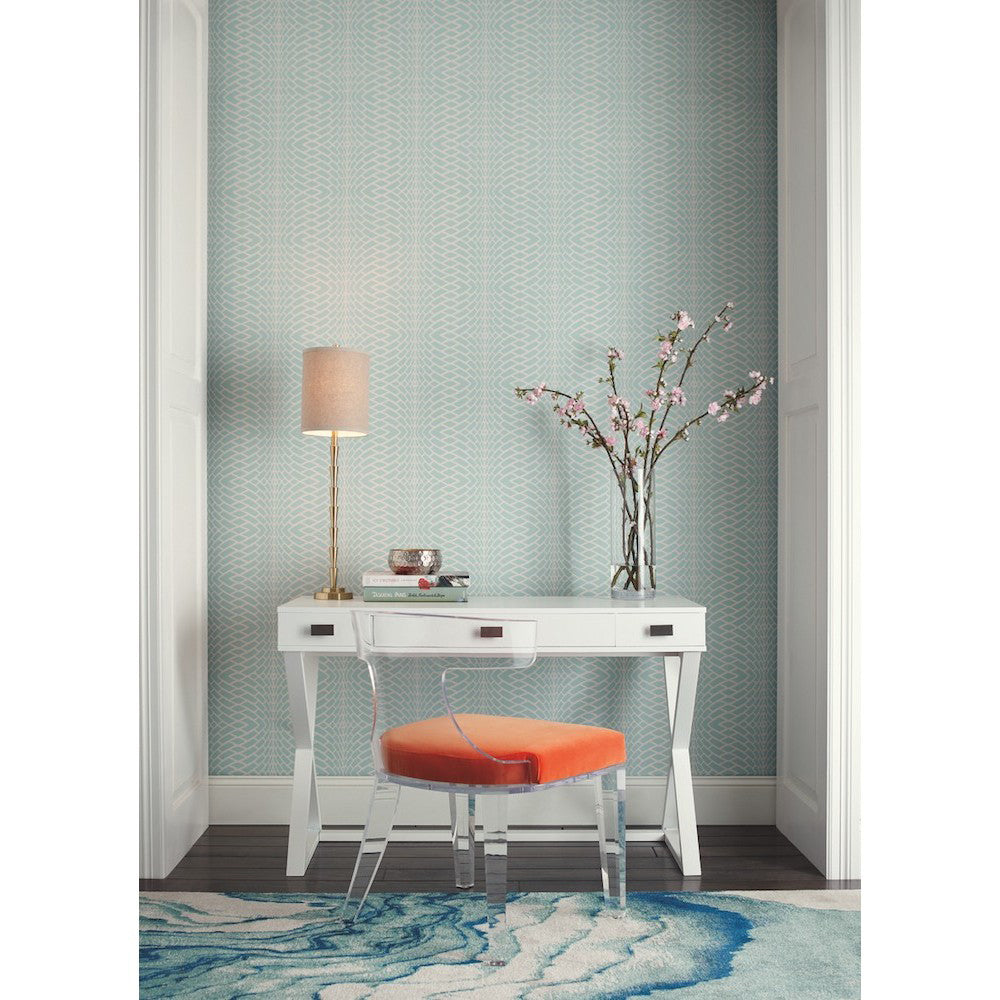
(482, 757)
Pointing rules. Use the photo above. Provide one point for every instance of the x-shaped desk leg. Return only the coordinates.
(680, 828)
(301, 671)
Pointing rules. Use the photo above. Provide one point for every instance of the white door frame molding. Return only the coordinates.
(150, 832)
(817, 793)
(843, 494)
(173, 707)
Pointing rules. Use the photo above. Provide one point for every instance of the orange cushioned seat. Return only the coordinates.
(433, 750)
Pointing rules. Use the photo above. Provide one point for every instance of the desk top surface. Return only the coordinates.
(567, 605)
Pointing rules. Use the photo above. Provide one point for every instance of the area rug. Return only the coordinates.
(421, 946)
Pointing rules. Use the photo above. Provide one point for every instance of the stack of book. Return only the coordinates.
(382, 586)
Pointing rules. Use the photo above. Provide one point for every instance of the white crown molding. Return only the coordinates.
(423, 815)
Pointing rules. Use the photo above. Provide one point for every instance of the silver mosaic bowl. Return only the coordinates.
(414, 561)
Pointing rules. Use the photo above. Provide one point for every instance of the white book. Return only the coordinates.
(379, 578)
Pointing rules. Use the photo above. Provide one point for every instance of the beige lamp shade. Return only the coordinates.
(334, 391)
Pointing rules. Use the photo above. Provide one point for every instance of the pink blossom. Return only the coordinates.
(661, 434)
(656, 403)
(683, 320)
(614, 354)
(756, 376)
(639, 426)
(677, 396)
(536, 394)
(723, 417)
(610, 440)
(729, 305)
(667, 352)
(771, 380)
(755, 398)
(727, 326)
(713, 408)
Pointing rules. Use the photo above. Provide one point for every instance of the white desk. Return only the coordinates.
(670, 627)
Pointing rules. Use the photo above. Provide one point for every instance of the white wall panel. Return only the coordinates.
(802, 453)
(174, 666)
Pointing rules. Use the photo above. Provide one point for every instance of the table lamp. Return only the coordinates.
(334, 404)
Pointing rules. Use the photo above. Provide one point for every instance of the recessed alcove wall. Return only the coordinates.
(483, 194)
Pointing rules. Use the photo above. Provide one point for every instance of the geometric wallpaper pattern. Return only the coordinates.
(483, 194)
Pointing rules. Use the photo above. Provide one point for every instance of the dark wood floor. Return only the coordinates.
(252, 859)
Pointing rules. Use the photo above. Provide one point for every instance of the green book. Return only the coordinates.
(415, 595)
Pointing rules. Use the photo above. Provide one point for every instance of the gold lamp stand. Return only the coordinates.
(333, 592)
(334, 403)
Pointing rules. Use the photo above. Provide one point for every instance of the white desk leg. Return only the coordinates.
(680, 828)
(301, 671)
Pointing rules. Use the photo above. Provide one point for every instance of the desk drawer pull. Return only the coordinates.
(321, 629)
(490, 631)
(661, 630)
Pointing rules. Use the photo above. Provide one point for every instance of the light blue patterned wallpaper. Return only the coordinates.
(483, 194)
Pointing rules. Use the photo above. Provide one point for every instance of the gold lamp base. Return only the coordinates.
(333, 594)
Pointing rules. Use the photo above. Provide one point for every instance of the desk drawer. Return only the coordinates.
(582, 631)
(417, 632)
(316, 629)
(660, 631)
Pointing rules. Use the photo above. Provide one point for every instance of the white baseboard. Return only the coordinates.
(726, 801)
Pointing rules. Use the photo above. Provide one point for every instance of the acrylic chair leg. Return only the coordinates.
(494, 815)
(381, 813)
(463, 838)
(609, 795)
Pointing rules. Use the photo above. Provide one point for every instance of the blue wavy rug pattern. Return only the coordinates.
(802, 945)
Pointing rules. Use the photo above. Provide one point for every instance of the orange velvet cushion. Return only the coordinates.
(433, 750)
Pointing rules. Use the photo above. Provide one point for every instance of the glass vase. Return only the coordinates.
(633, 536)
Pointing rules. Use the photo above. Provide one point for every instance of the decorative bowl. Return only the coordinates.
(414, 561)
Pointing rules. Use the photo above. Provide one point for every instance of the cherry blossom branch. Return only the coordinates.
(594, 434)
(678, 397)
(574, 413)
(619, 405)
(597, 437)
(732, 402)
